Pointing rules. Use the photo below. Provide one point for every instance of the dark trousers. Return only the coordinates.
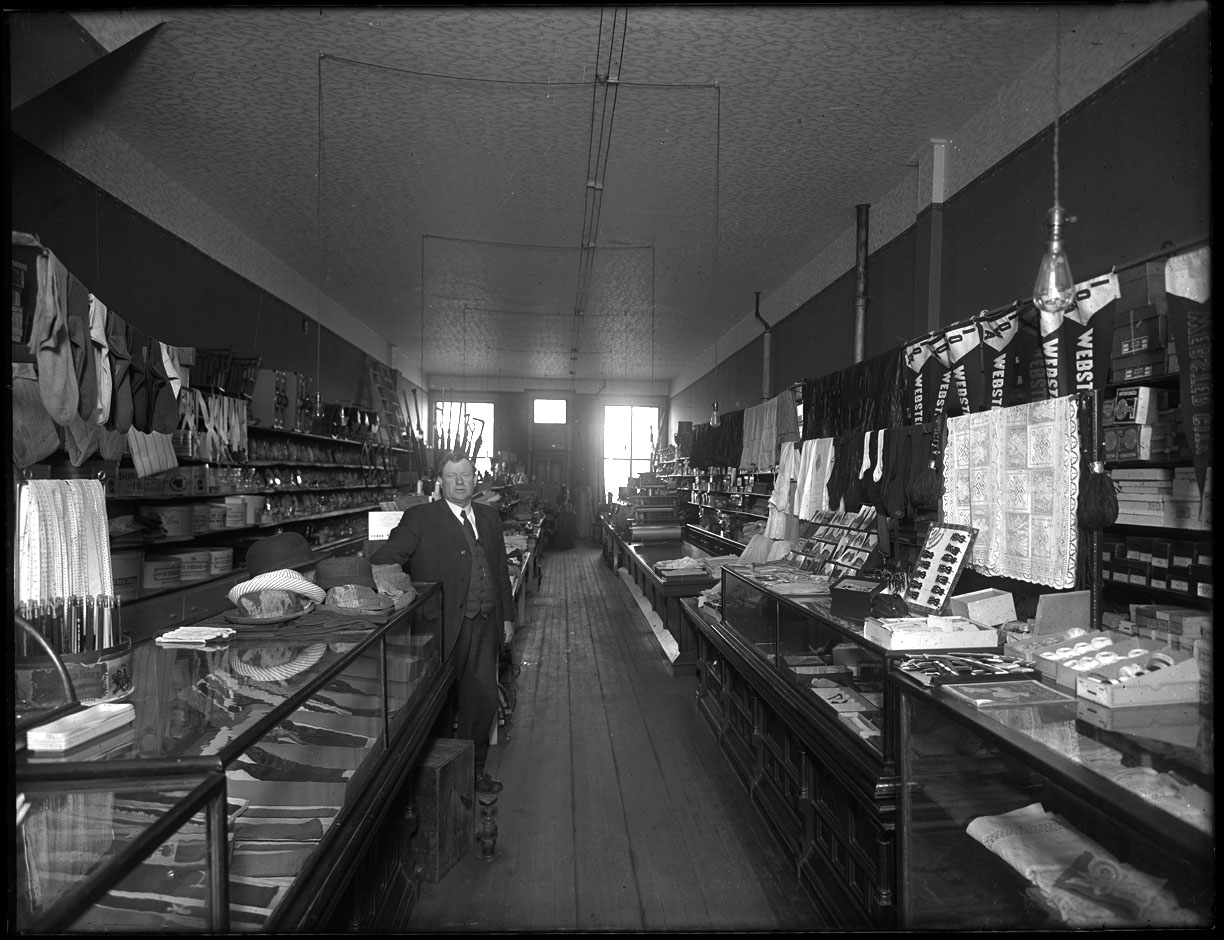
(475, 655)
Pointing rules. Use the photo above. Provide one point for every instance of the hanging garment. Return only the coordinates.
(783, 499)
(33, 432)
(753, 445)
(1014, 475)
(813, 480)
(50, 343)
(923, 373)
(80, 432)
(102, 361)
(117, 338)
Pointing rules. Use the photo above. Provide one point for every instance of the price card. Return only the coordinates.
(381, 523)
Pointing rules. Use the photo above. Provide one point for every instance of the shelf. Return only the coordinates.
(1109, 584)
(117, 541)
(306, 436)
(277, 491)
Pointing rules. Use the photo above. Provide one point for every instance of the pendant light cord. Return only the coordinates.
(1057, 97)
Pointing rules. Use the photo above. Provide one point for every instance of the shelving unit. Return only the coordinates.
(723, 503)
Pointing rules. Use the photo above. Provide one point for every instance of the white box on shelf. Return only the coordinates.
(1176, 680)
(928, 633)
(79, 727)
(989, 607)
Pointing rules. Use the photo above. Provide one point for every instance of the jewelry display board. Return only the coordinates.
(939, 567)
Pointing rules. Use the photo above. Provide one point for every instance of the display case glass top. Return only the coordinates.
(1055, 814)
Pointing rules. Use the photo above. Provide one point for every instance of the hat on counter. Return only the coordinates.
(284, 579)
(339, 572)
(391, 579)
(357, 599)
(283, 550)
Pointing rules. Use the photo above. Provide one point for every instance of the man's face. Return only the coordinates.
(459, 481)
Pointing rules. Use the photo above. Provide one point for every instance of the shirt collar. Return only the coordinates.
(457, 512)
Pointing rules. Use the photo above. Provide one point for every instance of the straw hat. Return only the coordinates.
(283, 550)
(285, 579)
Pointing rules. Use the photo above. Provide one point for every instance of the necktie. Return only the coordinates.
(467, 525)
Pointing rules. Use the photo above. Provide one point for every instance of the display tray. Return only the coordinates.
(1008, 694)
(930, 632)
(949, 668)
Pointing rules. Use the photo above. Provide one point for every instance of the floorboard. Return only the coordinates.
(619, 812)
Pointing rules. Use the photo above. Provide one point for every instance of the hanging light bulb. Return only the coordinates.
(1054, 289)
(714, 418)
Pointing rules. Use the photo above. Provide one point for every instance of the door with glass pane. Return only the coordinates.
(628, 442)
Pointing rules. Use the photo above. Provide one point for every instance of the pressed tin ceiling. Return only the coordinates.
(468, 183)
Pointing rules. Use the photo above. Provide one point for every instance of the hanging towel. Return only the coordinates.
(80, 432)
(811, 488)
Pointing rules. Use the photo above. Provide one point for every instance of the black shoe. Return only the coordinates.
(486, 783)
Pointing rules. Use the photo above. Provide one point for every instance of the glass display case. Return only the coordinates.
(825, 657)
(299, 717)
(1056, 814)
(120, 855)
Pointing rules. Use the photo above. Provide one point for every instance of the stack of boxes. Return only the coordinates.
(1176, 565)
(1143, 423)
(1142, 347)
(1162, 496)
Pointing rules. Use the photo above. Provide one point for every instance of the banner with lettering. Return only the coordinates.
(922, 375)
(962, 341)
(1188, 289)
(1087, 334)
(997, 375)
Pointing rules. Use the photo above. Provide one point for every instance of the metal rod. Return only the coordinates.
(860, 283)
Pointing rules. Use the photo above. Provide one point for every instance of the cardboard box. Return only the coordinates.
(1124, 649)
(1063, 609)
(988, 607)
(1134, 405)
(1179, 579)
(1141, 286)
(1185, 621)
(1128, 442)
(1139, 330)
(928, 633)
(1200, 579)
(1176, 724)
(1169, 677)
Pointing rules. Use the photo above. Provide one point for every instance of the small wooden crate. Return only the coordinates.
(442, 785)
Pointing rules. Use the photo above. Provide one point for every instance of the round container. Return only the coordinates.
(235, 512)
(125, 574)
(220, 561)
(255, 509)
(194, 565)
(173, 518)
(161, 572)
(216, 515)
(199, 518)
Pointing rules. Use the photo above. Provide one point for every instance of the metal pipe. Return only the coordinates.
(766, 379)
(860, 282)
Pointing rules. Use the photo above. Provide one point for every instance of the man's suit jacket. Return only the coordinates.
(430, 545)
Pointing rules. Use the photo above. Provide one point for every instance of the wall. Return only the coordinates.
(194, 301)
(1134, 170)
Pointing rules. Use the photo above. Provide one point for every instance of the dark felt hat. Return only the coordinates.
(347, 570)
(283, 550)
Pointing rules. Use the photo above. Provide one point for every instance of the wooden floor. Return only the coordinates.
(619, 812)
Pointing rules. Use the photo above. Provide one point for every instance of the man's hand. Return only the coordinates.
(508, 630)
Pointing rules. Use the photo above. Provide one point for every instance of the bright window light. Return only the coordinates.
(550, 411)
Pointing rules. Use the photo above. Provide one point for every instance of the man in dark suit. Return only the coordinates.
(460, 543)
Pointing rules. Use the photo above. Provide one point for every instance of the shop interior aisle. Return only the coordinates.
(619, 812)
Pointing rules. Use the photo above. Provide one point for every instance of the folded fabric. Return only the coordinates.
(285, 579)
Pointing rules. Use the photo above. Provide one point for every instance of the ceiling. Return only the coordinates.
(469, 183)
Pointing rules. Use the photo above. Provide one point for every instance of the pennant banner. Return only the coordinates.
(1188, 286)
